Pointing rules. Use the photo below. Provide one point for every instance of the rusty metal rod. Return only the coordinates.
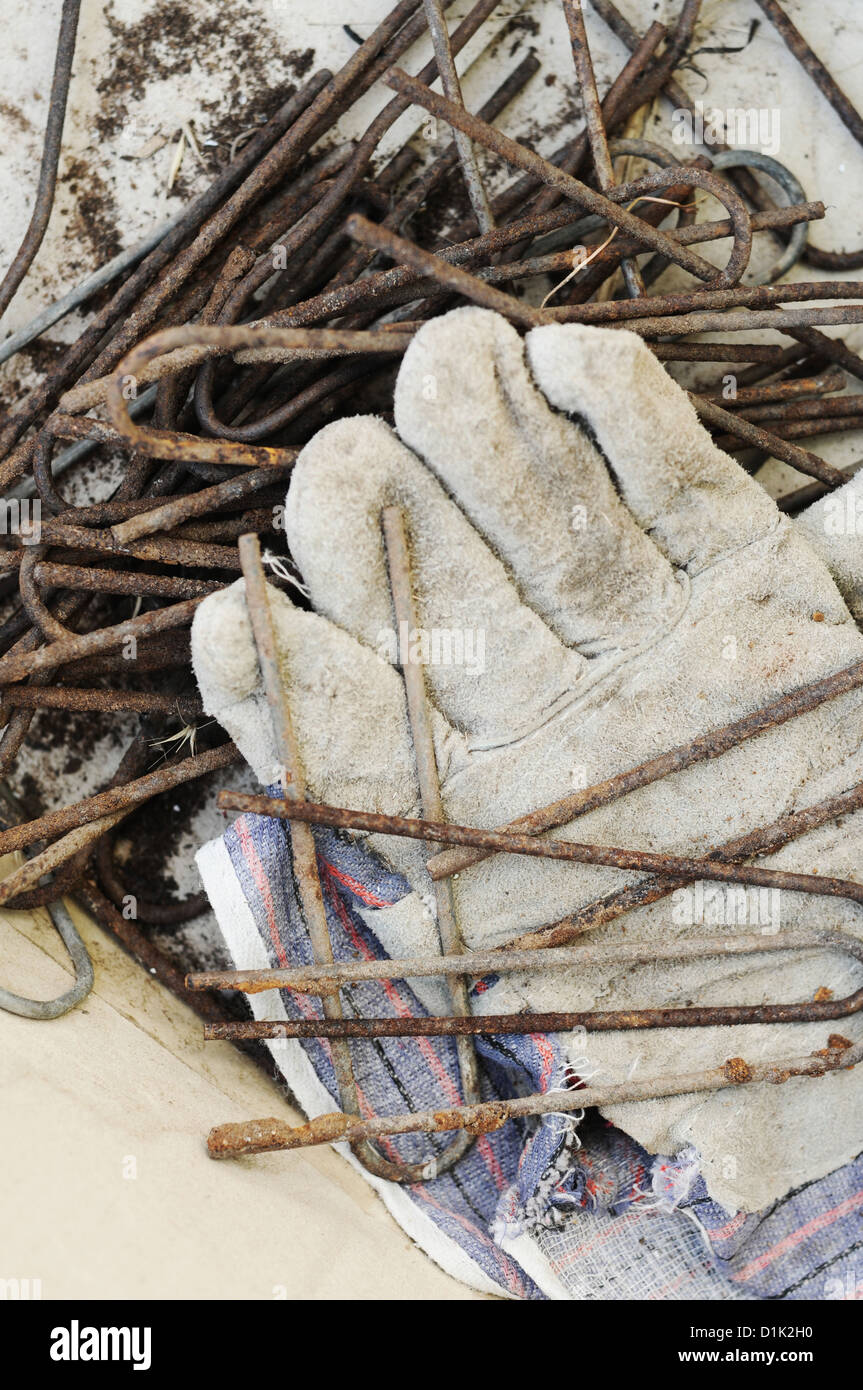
(609, 856)
(833, 379)
(26, 877)
(736, 321)
(787, 411)
(703, 747)
(520, 1024)
(792, 454)
(217, 339)
(122, 798)
(179, 509)
(264, 1136)
(594, 125)
(452, 87)
(175, 349)
(737, 297)
(398, 558)
(765, 839)
(824, 80)
(168, 550)
(187, 707)
(808, 429)
(844, 108)
(577, 192)
(308, 979)
(18, 667)
(452, 277)
(718, 352)
(797, 427)
(121, 581)
(44, 200)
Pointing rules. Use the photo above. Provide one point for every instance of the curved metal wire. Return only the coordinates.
(765, 164)
(44, 1009)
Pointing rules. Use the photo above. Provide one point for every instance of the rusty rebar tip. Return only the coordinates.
(248, 1137)
(264, 1136)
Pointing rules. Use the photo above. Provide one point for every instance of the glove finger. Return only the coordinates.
(833, 526)
(695, 502)
(337, 692)
(531, 481)
(492, 666)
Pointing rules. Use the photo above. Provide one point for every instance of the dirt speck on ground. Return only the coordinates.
(152, 838)
(94, 217)
(15, 117)
(69, 734)
(231, 43)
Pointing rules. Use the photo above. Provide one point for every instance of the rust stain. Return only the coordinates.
(329, 1127)
(493, 1117)
(449, 1119)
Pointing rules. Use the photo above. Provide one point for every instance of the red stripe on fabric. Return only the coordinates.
(356, 887)
(546, 1052)
(401, 1007)
(670, 1288)
(601, 1239)
(307, 1007)
(794, 1238)
(514, 1281)
(732, 1227)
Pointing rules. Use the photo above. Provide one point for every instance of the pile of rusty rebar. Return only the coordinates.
(284, 295)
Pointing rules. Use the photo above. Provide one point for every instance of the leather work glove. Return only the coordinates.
(596, 583)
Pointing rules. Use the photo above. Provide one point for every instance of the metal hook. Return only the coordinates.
(791, 187)
(44, 1009)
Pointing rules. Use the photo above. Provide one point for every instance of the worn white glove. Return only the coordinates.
(614, 585)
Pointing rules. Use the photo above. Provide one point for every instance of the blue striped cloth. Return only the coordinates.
(537, 1179)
